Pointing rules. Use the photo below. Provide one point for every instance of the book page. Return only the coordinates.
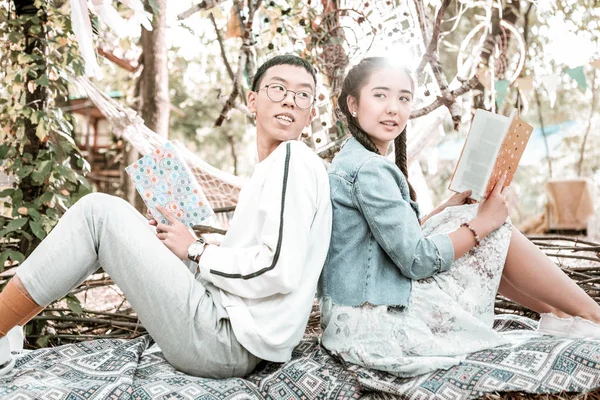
(479, 153)
(510, 153)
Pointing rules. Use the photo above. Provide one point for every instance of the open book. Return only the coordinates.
(493, 147)
(164, 178)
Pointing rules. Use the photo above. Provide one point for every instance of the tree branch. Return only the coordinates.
(245, 61)
(448, 100)
(589, 124)
(431, 56)
(203, 5)
(231, 99)
(222, 47)
(432, 47)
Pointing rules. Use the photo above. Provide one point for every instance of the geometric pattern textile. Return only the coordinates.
(534, 363)
(136, 369)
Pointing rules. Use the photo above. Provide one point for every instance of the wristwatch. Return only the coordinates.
(196, 249)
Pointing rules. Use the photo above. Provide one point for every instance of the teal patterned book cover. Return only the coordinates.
(164, 178)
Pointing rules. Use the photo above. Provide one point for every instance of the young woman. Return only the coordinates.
(406, 295)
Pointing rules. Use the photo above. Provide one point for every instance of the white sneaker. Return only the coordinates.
(16, 337)
(6, 360)
(551, 324)
(583, 328)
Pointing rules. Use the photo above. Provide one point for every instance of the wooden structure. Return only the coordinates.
(570, 204)
(97, 142)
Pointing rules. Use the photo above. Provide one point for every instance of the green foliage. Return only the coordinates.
(37, 54)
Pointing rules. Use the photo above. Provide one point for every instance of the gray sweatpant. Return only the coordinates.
(184, 317)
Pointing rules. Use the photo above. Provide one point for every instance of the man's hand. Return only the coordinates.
(176, 236)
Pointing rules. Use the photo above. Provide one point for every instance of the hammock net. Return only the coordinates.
(221, 188)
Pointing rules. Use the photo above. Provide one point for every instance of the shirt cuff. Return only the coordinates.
(445, 251)
(208, 258)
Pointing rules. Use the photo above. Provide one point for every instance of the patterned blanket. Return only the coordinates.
(135, 369)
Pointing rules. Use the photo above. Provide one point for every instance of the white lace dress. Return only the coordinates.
(448, 316)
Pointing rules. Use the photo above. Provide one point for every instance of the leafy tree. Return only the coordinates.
(37, 56)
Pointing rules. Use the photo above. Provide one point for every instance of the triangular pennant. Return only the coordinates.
(109, 15)
(82, 28)
(234, 26)
(579, 76)
(550, 82)
(595, 63)
(525, 83)
(501, 88)
(524, 99)
(484, 76)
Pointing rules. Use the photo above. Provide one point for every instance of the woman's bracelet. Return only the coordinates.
(473, 231)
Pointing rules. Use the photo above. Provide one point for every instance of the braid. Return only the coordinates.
(353, 82)
(401, 161)
(361, 136)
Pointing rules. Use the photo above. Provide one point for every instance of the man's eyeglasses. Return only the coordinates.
(277, 92)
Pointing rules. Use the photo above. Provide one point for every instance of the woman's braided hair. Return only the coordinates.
(353, 83)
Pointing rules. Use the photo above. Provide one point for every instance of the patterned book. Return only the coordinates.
(493, 147)
(164, 178)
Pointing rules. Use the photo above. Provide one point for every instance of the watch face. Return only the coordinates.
(195, 249)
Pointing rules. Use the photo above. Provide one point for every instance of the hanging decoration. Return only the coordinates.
(82, 27)
(579, 76)
(550, 83)
(501, 88)
(109, 15)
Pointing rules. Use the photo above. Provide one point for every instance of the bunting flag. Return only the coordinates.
(107, 14)
(501, 88)
(140, 15)
(82, 28)
(525, 83)
(483, 74)
(550, 83)
(524, 99)
(579, 76)
(234, 26)
(595, 63)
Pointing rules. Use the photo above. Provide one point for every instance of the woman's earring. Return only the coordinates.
(354, 114)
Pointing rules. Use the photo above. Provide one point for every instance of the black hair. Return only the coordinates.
(286, 59)
(353, 83)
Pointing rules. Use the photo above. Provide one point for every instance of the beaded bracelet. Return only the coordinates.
(473, 231)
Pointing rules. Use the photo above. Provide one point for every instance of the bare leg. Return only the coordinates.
(512, 293)
(532, 273)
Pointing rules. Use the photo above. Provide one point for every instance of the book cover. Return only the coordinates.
(510, 153)
(494, 146)
(164, 178)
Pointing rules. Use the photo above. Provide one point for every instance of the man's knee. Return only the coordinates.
(102, 201)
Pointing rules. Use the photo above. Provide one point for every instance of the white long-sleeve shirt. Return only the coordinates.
(269, 262)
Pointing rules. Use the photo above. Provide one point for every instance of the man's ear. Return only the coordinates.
(352, 104)
(313, 114)
(252, 101)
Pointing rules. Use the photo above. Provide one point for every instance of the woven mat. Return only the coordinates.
(135, 369)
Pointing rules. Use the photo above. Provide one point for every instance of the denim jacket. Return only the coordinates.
(377, 246)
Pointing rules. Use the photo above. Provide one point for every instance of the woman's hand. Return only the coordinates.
(494, 209)
(176, 236)
(458, 199)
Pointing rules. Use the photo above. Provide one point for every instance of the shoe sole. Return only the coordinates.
(7, 367)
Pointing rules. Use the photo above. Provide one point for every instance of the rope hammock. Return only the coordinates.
(221, 188)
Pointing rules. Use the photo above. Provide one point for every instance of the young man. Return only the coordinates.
(245, 300)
